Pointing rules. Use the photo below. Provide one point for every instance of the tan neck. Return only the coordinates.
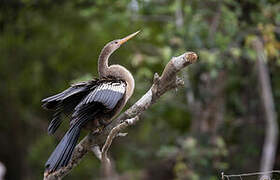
(103, 62)
(116, 71)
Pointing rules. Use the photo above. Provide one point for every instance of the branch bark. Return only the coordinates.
(167, 81)
(271, 131)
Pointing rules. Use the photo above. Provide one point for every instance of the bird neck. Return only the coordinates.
(116, 71)
(103, 62)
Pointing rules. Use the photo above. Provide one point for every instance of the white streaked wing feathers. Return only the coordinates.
(108, 94)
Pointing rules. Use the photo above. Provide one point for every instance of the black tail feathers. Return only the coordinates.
(64, 150)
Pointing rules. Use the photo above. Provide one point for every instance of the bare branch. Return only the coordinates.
(115, 131)
(167, 81)
(106, 162)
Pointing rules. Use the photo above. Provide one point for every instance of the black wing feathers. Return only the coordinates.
(74, 99)
(107, 94)
(84, 102)
(66, 101)
(52, 102)
(55, 123)
(64, 150)
(104, 96)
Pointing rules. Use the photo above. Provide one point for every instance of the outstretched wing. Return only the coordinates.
(66, 101)
(84, 101)
(104, 97)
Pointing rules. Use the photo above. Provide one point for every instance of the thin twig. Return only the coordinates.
(115, 131)
(106, 162)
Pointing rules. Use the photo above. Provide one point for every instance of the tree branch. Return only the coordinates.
(270, 115)
(167, 81)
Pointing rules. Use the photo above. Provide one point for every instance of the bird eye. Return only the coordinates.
(116, 42)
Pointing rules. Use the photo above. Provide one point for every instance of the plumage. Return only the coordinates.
(66, 101)
(89, 104)
(104, 96)
(108, 94)
(71, 100)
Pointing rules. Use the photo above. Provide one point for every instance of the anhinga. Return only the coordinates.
(91, 104)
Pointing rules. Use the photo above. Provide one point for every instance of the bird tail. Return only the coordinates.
(64, 150)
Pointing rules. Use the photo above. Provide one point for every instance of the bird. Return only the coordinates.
(91, 104)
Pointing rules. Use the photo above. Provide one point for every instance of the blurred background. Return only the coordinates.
(218, 122)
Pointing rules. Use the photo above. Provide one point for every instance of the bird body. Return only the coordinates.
(89, 104)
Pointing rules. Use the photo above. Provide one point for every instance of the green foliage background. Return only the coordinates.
(45, 45)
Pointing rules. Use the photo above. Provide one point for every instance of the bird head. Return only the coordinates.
(115, 44)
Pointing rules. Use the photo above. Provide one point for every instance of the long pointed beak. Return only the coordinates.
(123, 40)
